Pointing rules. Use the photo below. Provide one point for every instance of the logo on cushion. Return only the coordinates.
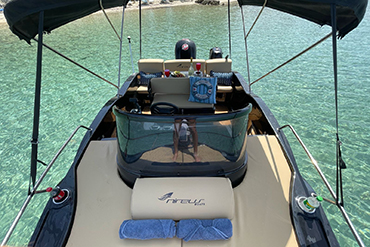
(167, 199)
(165, 196)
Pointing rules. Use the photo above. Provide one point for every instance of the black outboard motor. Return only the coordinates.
(215, 52)
(185, 49)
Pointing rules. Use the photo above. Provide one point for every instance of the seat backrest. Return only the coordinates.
(218, 65)
(183, 64)
(170, 85)
(175, 90)
(151, 65)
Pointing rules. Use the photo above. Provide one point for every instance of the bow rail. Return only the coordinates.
(38, 182)
(326, 182)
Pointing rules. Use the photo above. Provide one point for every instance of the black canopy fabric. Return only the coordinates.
(349, 12)
(22, 15)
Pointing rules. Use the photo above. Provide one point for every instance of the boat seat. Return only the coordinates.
(175, 90)
(224, 89)
(180, 198)
(148, 66)
(151, 65)
(220, 65)
(183, 64)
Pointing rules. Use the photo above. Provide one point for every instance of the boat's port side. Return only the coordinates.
(262, 216)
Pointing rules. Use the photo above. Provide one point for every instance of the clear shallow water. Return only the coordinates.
(300, 94)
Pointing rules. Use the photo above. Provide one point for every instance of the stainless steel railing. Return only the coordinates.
(316, 165)
(37, 184)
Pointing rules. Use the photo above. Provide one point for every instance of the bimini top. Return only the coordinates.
(22, 15)
(349, 12)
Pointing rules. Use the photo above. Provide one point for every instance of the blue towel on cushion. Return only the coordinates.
(147, 229)
(203, 89)
(224, 79)
(145, 78)
(195, 229)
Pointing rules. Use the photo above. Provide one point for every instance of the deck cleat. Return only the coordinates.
(59, 195)
(309, 204)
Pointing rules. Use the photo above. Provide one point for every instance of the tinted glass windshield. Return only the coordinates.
(181, 145)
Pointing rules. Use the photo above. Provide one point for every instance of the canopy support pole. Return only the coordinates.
(140, 25)
(246, 50)
(255, 21)
(246, 43)
(339, 161)
(229, 23)
(120, 51)
(36, 110)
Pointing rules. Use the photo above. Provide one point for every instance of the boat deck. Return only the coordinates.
(262, 216)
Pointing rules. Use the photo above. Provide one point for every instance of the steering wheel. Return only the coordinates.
(164, 108)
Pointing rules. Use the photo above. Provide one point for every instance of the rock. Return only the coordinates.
(211, 2)
(208, 2)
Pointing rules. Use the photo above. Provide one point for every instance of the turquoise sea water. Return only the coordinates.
(300, 94)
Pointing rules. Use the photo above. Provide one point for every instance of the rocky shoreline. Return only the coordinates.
(132, 5)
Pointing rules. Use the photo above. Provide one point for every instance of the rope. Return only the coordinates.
(79, 65)
(245, 39)
(299, 54)
(255, 21)
(106, 16)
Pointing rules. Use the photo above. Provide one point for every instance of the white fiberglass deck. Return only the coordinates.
(262, 215)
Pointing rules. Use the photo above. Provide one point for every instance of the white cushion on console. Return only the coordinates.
(151, 65)
(218, 65)
(183, 64)
(182, 198)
